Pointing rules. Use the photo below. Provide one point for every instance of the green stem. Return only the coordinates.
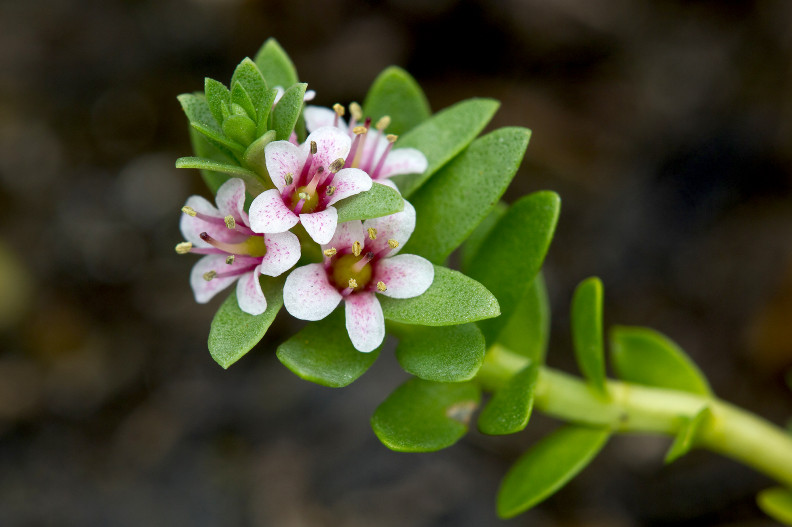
(730, 431)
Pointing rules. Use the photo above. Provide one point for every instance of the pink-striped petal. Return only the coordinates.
(204, 290)
(281, 158)
(231, 200)
(250, 297)
(269, 214)
(283, 252)
(397, 227)
(191, 226)
(364, 321)
(346, 234)
(331, 144)
(404, 275)
(317, 117)
(403, 161)
(321, 225)
(308, 295)
(348, 182)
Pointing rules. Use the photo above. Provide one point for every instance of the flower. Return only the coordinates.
(309, 178)
(233, 251)
(371, 149)
(360, 262)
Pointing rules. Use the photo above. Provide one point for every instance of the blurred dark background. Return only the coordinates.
(664, 125)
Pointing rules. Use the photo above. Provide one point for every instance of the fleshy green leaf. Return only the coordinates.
(586, 318)
(381, 200)
(424, 416)
(286, 112)
(548, 466)
(275, 65)
(254, 155)
(442, 354)
(240, 128)
(396, 94)
(510, 408)
(452, 299)
(644, 356)
(252, 182)
(240, 97)
(197, 110)
(248, 76)
(264, 110)
(776, 503)
(233, 332)
(217, 97)
(219, 139)
(513, 253)
(207, 150)
(322, 353)
(687, 434)
(443, 136)
(452, 204)
(527, 331)
(472, 245)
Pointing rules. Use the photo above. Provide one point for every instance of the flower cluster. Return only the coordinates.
(360, 259)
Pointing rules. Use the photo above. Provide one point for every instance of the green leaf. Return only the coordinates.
(248, 76)
(513, 253)
(233, 332)
(275, 65)
(586, 318)
(452, 299)
(240, 97)
(264, 112)
(424, 416)
(197, 110)
(396, 94)
(452, 204)
(240, 128)
(472, 245)
(510, 408)
(252, 182)
(776, 503)
(218, 139)
(442, 354)
(644, 356)
(322, 353)
(381, 200)
(217, 97)
(286, 112)
(207, 150)
(255, 154)
(547, 467)
(444, 136)
(527, 331)
(687, 435)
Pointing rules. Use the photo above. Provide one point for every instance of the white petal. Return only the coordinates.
(364, 321)
(403, 161)
(191, 227)
(320, 226)
(405, 275)
(346, 234)
(399, 227)
(309, 95)
(348, 182)
(331, 144)
(308, 295)
(283, 251)
(250, 297)
(282, 158)
(317, 117)
(231, 200)
(205, 290)
(269, 214)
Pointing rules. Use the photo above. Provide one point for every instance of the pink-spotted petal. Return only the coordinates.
(348, 182)
(346, 234)
(331, 144)
(282, 158)
(317, 117)
(250, 297)
(397, 227)
(283, 251)
(308, 295)
(320, 226)
(404, 275)
(231, 200)
(403, 161)
(204, 290)
(268, 213)
(364, 321)
(192, 226)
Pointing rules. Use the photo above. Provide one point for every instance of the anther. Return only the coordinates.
(189, 211)
(381, 287)
(359, 130)
(330, 190)
(230, 259)
(230, 222)
(357, 248)
(393, 243)
(330, 252)
(339, 110)
(352, 283)
(383, 123)
(391, 138)
(288, 178)
(372, 232)
(356, 111)
(208, 276)
(184, 247)
(337, 165)
(313, 147)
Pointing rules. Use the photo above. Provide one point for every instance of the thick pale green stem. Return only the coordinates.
(730, 431)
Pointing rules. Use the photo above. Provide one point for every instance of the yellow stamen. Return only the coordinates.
(372, 232)
(230, 222)
(208, 276)
(381, 287)
(189, 211)
(383, 123)
(288, 178)
(352, 283)
(359, 130)
(183, 247)
(337, 165)
(339, 110)
(393, 243)
(391, 138)
(313, 147)
(330, 252)
(230, 259)
(357, 248)
(356, 111)
(330, 190)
